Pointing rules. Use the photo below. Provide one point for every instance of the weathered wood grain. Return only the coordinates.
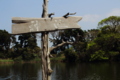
(28, 25)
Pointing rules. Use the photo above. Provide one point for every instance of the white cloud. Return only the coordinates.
(114, 12)
(90, 18)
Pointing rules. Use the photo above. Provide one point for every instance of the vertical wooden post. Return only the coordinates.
(46, 68)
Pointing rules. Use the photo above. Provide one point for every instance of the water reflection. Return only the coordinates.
(62, 71)
(20, 71)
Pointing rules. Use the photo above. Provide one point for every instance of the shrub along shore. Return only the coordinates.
(7, 61)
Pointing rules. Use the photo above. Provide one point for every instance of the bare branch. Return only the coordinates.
(51, 56)
(51, 40)
(61, 44)
(49, 15)
(66, 15)
(45, 9)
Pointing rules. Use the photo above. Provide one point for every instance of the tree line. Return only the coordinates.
(102, 44)
(19, 47)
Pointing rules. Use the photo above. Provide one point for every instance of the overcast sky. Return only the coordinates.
(92, 11)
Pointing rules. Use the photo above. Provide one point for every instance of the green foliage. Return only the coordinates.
(70, 35)
(92, 47)
(110, 20)
(98, 56)
(70, 55)
(110, 24)
(26, 47)
(109, 42)
(5, 40)
(60, 58)
(105, 46)
(114, 56)
(91, 44)
(27, 40)
(80, 47)
(29, 54)
(90, 35)
(6, 60)
(18, 59)
(113, 53)
(2, 55)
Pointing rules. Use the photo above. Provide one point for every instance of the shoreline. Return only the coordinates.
(9, 61)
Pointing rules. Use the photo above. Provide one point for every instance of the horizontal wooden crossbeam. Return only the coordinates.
(27, 25)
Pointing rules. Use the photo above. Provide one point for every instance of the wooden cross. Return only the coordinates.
(44, 25)
(36, 25)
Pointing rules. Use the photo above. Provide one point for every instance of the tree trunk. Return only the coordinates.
(46, 68)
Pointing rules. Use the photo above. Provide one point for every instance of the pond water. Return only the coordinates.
(62, 71)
